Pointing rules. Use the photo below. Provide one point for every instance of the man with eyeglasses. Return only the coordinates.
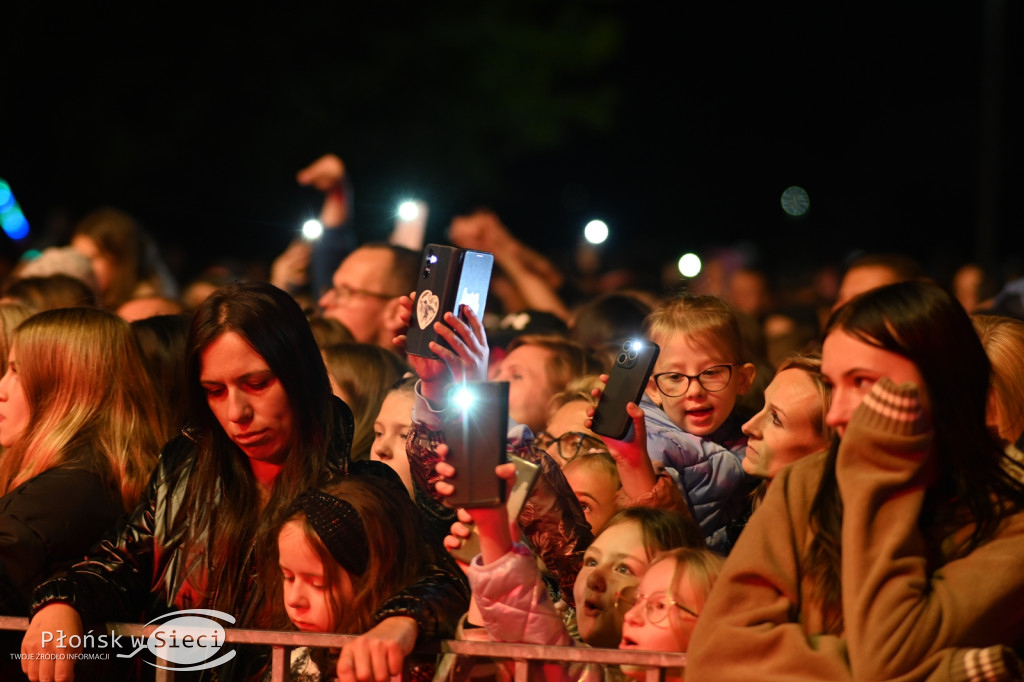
(365, 290)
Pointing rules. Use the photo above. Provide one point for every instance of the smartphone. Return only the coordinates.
(626, 383)
(476, 429)
(449, 278)
(526, 476)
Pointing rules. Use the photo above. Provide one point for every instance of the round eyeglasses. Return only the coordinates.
(656, 604)
(713, 379)
(343, 293)
(570, 443)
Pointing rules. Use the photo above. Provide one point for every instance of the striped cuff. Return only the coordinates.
(891, 408)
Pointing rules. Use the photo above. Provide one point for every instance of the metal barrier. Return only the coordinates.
(520, 654)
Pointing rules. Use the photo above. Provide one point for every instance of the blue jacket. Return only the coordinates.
(707, 470)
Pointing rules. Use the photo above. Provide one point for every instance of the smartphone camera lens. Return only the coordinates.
(622, 359)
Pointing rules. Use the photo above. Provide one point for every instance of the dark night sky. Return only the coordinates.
(681, 130)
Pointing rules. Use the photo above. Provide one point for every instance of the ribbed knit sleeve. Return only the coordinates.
(901, 609)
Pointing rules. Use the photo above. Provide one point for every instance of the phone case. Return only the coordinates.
(476, 437)
(449, 278)
(626, 383)
(526, 476)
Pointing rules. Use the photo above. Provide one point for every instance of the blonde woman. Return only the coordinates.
(12, 314)
(79, 422)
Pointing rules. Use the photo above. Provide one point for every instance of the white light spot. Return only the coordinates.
(312, 229)
(596, 231)
(689, 265)
(408, 210)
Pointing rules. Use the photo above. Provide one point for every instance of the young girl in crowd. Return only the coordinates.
(391, 431)
(361, 374)
(342, 553)
(692, 424)
(511, 600)
(265, 428)
(663, 609)
(897, 553)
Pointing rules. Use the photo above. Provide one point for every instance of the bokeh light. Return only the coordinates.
(312, 229)
(408, 210)
(596, 231)
(689, 265)
(795, 201)
(15, 225)
(12, 220)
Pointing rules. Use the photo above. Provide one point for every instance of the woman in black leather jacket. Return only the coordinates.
(265, 428)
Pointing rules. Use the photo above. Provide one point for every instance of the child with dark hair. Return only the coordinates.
(342, 552)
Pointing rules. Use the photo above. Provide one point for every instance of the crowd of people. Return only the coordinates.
(824, 489)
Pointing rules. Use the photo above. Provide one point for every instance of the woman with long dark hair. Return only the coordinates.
(265, 428)
(897, 553)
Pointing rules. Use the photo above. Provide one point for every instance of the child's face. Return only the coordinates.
(389, 433)
(595, 489)
(614, 561)
(655, 595)
(529, 386)
(697, 410)
(306, 597)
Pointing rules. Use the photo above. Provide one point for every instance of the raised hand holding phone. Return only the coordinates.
(625, 384)
(451, 280)
(494, 525)
(476, 431)
(465, 358)
(636, 471)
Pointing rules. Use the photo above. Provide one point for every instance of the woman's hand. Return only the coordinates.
(38, 661)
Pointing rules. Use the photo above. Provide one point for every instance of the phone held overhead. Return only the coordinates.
(450, 277)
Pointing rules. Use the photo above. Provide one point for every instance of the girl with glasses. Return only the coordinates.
(663, 609)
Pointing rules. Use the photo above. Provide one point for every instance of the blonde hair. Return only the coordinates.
(364, 373)
(577, 389)
(1003, 340)
(568, 359)
(91, 403)
(599, 461)
(701, 566)
(12, 314)
(708, 319)
(810, 364)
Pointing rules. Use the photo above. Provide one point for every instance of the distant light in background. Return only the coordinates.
(312, 229)
(689, 265)
(408, 210)
(596, 231)
(12, 220)
(6, 197)
(795, 201)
